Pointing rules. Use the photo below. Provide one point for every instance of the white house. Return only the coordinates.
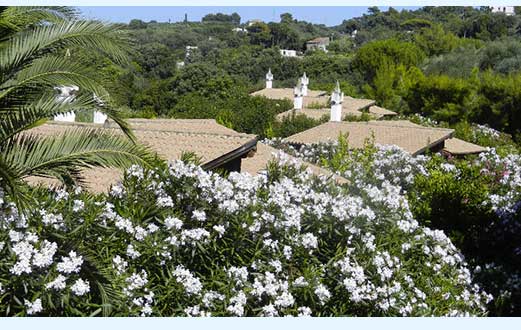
(318, 44)
(288, 53)
(254, 21)
(190, 50)
(240, 30)
(507, 10)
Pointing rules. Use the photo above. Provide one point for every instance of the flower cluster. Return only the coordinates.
(276, 244)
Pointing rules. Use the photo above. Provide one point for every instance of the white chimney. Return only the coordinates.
(67, 95)
(269, 79)
(336, 103)
(305, 83)
(99, 117)
(298, 96)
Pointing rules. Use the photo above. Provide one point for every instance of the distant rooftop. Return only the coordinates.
(287, 93)
(350, 106)
(458, 147)
(413, 139)
(318, 40)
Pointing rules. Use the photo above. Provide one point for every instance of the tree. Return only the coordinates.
(137, 24)
(32, 62)
(435, 41)
(222, 18)
(373, 10)
(370, 57)
(259, 34)
(286, 18)
(235, 19)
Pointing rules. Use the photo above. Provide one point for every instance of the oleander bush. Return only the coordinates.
(180, 241)
(476, 201)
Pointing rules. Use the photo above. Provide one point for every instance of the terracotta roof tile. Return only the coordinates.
(353, 104)
(287, 93)
(169, 138)
(414, 139)
(311, 113)
(318, 40)
(459, 147)
(381, 111)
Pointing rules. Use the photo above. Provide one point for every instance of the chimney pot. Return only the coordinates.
(337, 97)
(269, 79)
(298, 96)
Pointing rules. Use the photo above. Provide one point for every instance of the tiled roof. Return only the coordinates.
(319, 40)
(209, 126)
(414, 139)
(452, 145)
(456, 146)
(265, 154)
(287, 93)
(169, 138)
(351, 106)
(376, 110)
(311, 113)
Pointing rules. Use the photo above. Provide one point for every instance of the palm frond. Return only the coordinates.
(13, 19)
(50, 71)
(16, 120)
(25, 46)
(64, 155)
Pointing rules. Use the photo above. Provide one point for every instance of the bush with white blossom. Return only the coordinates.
(277, 244)
(476, 201)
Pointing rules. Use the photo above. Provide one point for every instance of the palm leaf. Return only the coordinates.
(13, 19)
(23, 47)
(16, 120)
(64, 156)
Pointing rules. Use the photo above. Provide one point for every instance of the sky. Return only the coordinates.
(319, 15)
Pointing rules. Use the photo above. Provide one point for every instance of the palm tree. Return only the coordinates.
(33, 44)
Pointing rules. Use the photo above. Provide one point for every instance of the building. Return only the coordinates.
(314, 98)
(318, 44)
(453, 146)
(254, 21)
(318, 104)
(240, 30)
(67, 94)
(507, 10)
(412, 138)
(218, 147)
(190, 50)
(379, 112)
(288, 53)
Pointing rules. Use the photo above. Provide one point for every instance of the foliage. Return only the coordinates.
(476, 201)
(295, 123)
(180, 241)
(33, 62)
(372, 56)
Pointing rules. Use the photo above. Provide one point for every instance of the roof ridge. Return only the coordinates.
(369, 123)
(140, 129)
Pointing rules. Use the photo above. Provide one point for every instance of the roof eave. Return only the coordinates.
(239, 152)
(429, 146)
